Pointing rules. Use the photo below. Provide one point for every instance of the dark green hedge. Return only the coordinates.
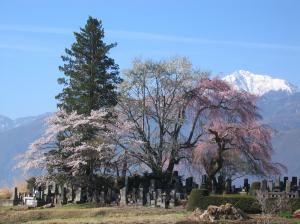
(295, 204)
(247, 203)
(194, 197)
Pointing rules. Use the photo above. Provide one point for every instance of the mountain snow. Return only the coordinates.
(258, 84)
(5, 123)
(8, 124)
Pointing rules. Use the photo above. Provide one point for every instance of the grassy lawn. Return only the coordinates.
(83, 214)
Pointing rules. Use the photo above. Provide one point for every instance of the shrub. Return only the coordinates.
(200, 199)
(286, 214)
(5, 193)
(255, 186)
(246, 203)
(295, 204)
(194, 197)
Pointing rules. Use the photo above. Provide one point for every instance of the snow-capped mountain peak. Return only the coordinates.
(258, 84)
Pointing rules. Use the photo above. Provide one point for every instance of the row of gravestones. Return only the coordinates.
(155, 196)
(152, 195)
(58, 194)
(280, 186)
(226, 186)
(221, 185)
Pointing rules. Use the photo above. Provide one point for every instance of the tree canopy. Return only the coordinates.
(91, 76)
(165, 115)
(232, 129)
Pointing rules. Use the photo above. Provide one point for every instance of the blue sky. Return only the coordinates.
(219, 36)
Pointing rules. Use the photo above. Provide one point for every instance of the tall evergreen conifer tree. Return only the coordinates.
(90, 82)
(91, 75)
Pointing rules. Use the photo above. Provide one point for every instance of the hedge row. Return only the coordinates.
(200, 199)
(246, 203)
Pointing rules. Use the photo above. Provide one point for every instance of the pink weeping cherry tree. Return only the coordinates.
(231, 127)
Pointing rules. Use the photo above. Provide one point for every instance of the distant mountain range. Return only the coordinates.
(15, 137)
(7, 124)
(279, 105)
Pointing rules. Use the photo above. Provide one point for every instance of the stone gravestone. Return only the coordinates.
(109, 197)
(69, 194)
(285, 179)
(152, 191)
(152, 185)
(123, 196)
(294, 184)
(159, 198)
(220, 184)
(233, 189)
(270, 185)
(52, 192)
(172, 199)
(288, 187)
(178, 197)
(124, 192)
(153, 199)
(40, 194)
(228, 187)
(53, 188)
(246, 186)
(188, 185)
(177, 182)
(78, 195)
(102, 198)
(263, 185)
(133, 196)
(46, 189)
(58, 195)
(203, 182)
(148, 199)
(113, 196)
(213, 187)
(15, 197)
(64, 195)
(48, 193)
(164, 203)
(277, 184)
(141, 199)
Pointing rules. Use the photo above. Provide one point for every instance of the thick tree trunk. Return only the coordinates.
(212, 171)
(90, 182)
(171, 166)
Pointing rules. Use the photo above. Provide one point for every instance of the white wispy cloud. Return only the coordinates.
(36, 29)
(191, 40)
(133, 35)
(27, 48)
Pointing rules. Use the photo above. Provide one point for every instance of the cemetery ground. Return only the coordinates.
(84, 214)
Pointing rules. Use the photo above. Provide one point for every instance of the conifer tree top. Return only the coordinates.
(91, 76)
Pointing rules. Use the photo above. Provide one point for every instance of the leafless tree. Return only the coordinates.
(154, 100)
